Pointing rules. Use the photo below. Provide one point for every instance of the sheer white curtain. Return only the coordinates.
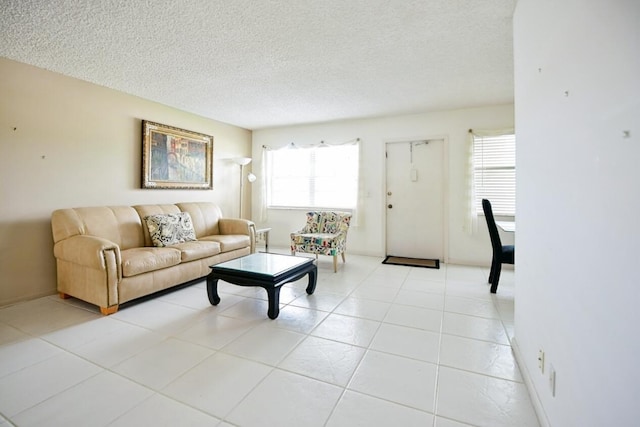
(262, 187)
(357, 219)
(471, 212)
(471, 216)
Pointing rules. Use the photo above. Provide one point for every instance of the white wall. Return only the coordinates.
(577, 74)
(68, 143)
(374, 133)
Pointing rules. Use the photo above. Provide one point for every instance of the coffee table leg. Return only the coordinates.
(212, 290)
(313, 275)
(274, 301)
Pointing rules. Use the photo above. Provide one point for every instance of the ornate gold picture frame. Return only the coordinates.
(174, 158)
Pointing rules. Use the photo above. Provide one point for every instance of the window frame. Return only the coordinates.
(315, 180)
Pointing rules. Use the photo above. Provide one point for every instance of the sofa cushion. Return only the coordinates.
(229, 242)
(198, 249)
(205, 217)
(142, 260)
(170, 229)
(118, 224)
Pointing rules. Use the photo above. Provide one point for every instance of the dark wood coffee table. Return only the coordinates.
(269, 271)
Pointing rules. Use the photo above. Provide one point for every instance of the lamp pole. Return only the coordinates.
(242, 161)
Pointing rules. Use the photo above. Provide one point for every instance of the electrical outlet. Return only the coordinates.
(541, 360)
(552, 380)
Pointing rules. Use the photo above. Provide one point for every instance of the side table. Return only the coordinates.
(263, 234)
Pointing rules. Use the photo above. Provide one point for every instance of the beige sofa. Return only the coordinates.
(105, 255)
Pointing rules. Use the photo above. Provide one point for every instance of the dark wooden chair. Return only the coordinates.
(502, 254)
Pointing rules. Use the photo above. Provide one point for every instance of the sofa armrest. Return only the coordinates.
(90, 251)
(235, 226)
(89, 268)
(239, 226)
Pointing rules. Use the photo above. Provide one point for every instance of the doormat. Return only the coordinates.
(412, 262)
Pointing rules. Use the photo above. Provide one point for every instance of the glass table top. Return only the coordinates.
(263, 263)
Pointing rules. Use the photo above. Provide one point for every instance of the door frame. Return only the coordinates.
(445, 187)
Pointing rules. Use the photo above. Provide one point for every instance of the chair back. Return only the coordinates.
(327, 222)
(496, 243)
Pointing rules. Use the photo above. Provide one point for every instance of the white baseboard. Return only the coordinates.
(533, 394)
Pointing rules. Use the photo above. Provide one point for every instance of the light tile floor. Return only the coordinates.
(376, 345)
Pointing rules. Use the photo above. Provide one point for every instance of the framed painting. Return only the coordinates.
(174, 158)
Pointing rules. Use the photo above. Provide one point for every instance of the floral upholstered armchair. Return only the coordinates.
(325, 233)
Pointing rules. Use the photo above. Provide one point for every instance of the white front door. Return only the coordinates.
(415, 199)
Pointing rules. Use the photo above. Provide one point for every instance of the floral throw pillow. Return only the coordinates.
(169, 229)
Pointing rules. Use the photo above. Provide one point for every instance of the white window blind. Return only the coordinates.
(316, 177)
(494, 161)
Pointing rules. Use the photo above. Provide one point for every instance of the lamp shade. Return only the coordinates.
(242, 161)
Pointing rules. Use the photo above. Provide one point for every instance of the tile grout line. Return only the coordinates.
(437, 381)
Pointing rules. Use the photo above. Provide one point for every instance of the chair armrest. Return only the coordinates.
(90, 251)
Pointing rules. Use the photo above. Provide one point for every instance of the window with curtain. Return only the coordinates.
(494, 168)
(322, 176)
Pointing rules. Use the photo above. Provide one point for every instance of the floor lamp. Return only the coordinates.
(243, 161)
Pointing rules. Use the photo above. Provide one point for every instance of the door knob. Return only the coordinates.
(389, 205)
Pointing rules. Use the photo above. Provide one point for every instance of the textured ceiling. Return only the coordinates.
(260, 63)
